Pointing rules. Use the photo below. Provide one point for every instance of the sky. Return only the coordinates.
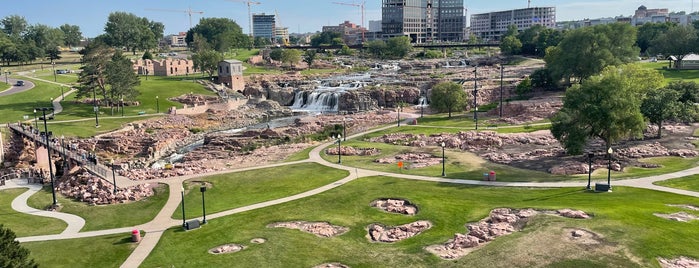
(298, 15)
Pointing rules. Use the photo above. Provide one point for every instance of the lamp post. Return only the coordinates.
(339, 145)
(146, 72)
(48, 150)
(53, 68)
(36, 121)
(65, 156)
(400, 107)
(184, 224)
(113, 176)
(95, 108)
(443, 159)
(122, 106)
(203, 203)
(344, 129)
(589, 170)
(157, 104)
(475, 95)
(609, 167)
(502, 71)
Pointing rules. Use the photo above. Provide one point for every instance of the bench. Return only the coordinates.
(602, 187)
(141, 112)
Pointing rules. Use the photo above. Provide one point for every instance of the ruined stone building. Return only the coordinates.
(164, 67)
(230, 74)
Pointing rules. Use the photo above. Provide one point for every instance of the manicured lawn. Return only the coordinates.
(14, 107)
(100, 251)
(26, 224)
(107, 216)
(631, 235)
(302, 155)
(86, 127)
(668, 165)
(250, 187)
(690, 183)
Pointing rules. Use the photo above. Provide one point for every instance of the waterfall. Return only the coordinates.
(317, 101)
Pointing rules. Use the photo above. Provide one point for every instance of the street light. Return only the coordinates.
(113, 176)
(95, 107)
(184, 224)
(399, 108)
(443, 159)
(203, 203)
(589, 170)
(48, 150)
(65, 157)
(502, 70)
(122, 107)
(53, 67)
(475, 95)
(339, 153)
(157, 105)
(344, 129)
(609, 167)
(36, 121)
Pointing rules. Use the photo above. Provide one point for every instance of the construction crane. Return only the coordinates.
(249, 3)
(285, 38)
(188, 11)
(361, 6)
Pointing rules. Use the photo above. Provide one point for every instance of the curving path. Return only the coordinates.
(163, 220)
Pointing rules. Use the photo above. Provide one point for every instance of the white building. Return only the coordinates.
(490, 26)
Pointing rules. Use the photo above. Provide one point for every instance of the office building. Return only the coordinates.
(374, 25)
(264, 26)
(424, 21)
(491, 26)
(351, 33)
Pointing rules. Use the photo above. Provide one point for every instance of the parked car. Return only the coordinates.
(172, 54)
(62, 71)
(19, 83)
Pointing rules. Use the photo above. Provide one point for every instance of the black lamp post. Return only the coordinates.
(65, 156)
(184, 224)
(475, 95)
(146, 72)
(53, 67)
(589, 170)
(203, 203)
(157, 104)
(48, 150)
(609, 167)
(502, 70)
(113, 176)
(339, 145)
(443, 159)
(95, 108)
(344, 129)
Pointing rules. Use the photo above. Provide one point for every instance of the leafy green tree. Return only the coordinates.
(221, 34)
(93, 77)
(678, 41)
(122, 30)
(262, 42)
(121, 78)
(587, 51)
(207, 61)
(71, 34)
(309, 57)
(377, 48)
(43, 38)
(541, 78)
(510, 45)
(12, 254)
(659, 105)
(14, 25)
(448, 97)
(326, 38)
(649, 32)
(291, 56)
(147, 56)
(345, 50)
(524, 87)
(276, 54)
(398, 47)
(688, 92)
(53, 54)
(605, 106)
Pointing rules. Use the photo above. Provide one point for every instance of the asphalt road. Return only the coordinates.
(17, 89)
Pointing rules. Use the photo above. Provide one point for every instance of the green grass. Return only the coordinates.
(250, 187)
(668, 165)
(302, 155)
(25, 224)
(672, 74)
(100, 251)
(14, 107)
(624, 219)
(85, 128)
(107, 216)
(690, 183)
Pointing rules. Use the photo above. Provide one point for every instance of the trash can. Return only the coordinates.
(486, 176)
(135, 235)
(491, 176)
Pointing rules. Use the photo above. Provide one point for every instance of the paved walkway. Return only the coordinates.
(163, 220)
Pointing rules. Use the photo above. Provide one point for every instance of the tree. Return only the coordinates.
(688, 97)
(44, 39)
(121, 78)
(276, 54)
(291, 56)
(541, 78)
(221, 34)
(71, 34)
(448, 97)
(345, 50)
(659, 105)
(12, 254)
(587, 51)
(524, 87)
(309, 57)
(207, 61)
(398, 47)
(131, 32)
(147, 56)
(605, 106)
(262, 41)
(93, 77)
(14, 25)
(678, 41)
(325, 38)
(377, 48)
(510, 45)
(649, 32)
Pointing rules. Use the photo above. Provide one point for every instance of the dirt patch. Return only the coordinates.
(227, 248)
(690, 207)
(258, 240)
(679, 216)
(331, 265)
(581, 236)
(387, 234)
(321, 229)
(399, 206)
(681, 262)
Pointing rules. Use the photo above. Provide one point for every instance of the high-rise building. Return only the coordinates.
(374, 25)
(491, 26)
(264, 26)
(424, 20)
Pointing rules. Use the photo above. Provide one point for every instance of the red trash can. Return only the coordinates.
(491, 176)
(135, 235)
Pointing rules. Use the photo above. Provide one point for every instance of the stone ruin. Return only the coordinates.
(412, 160)
(321, 229)
(680, 262)
(227, 248)
(85, 187)
(395, 206)
(387, 234)
(502, 221)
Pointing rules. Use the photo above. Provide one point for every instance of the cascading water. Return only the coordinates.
(325, 98)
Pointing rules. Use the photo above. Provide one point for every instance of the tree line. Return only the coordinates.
(23, 43)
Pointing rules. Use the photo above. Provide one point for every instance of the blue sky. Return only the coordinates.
(298, 15)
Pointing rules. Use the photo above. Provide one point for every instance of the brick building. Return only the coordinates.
(165, 67)
(230, 74)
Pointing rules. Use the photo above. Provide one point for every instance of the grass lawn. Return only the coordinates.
(631, 235)
(302, 155)
(25, 224)
(690, 183)
(250, 187)
(14, 107)
(106, 216)
(85, 128)
(100, 251)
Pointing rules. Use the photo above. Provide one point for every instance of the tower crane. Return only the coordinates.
(285, 38)
(188, 11)
(249, 3)
(361, 6)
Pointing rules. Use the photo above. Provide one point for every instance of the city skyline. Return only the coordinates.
(294, 15)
